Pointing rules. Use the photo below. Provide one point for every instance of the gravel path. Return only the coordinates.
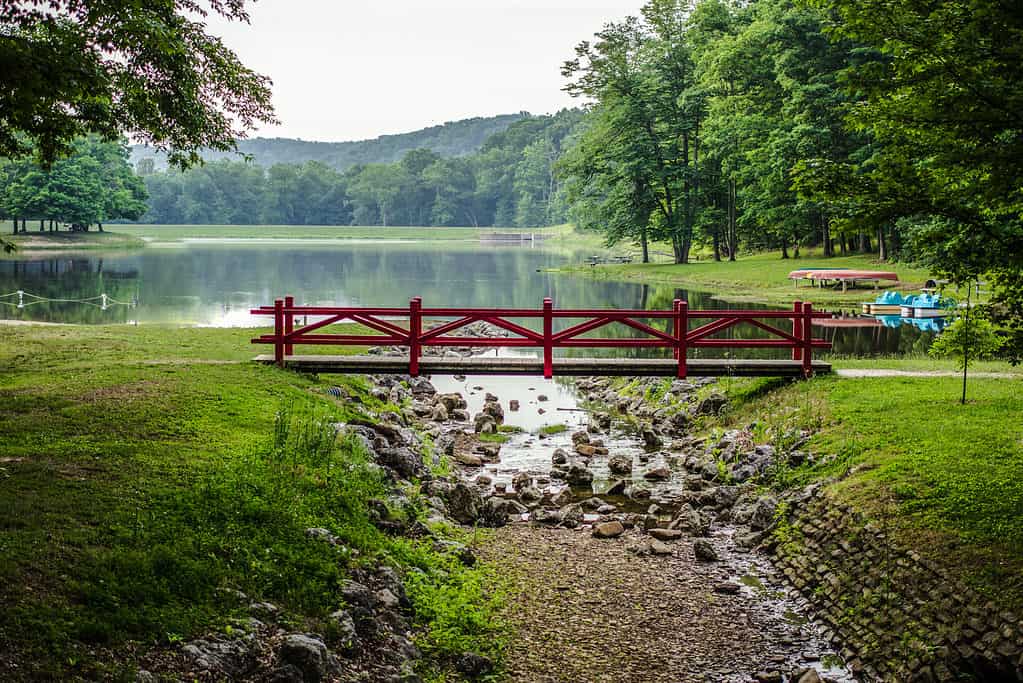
(882, 372)
(587, 610)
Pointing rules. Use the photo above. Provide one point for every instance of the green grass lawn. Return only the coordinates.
(759, 277)
(946, 478)
(143, 469)
(73, 241)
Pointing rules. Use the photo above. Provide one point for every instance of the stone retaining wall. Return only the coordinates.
(897, 616)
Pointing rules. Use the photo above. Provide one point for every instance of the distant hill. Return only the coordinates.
(453, 139)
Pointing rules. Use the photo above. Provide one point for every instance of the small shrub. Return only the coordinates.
(550, 430)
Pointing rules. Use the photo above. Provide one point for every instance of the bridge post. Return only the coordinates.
(681, 309)
(548, 338)
(797, 329)
(808, 340)
(279, 332)
(415, 327)
(289, 324)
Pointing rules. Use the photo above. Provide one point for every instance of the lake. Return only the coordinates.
(215, 284)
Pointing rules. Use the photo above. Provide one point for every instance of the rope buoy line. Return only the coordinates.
(104, 301)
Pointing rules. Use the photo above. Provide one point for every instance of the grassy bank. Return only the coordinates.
(145, 470)
(942, 477)
(759, 277)
(73, 241)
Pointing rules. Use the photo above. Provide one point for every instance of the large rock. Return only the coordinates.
(611, 529)
(344, 627)
(439, 413)
(545, 516)
(620, 464)
(464, 503)
(665, 534)
(563, 497)
(484, 423)
(659, 473)
(474, 665)
(688, 519)
(679, 422)
(358, 594)
(305, 653)
(704, 551)
(224, 658)
(764, 512)
(579, 476)
(495, 512)
(617, 488)
(530, 495)
(651, 440)
(445, 444)
(494, 410)
(452, 402)
(712, 404)
(809, 676)
(659, 548)
(490, 451)
(571, 515)
(420, 386)
(403, 461)
(521, 481)
(469, 460)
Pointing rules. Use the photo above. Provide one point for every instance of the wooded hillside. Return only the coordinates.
(452, 139)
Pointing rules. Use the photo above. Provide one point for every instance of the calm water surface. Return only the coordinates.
(215, 285)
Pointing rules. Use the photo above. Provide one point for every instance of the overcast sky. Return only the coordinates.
(350, 70)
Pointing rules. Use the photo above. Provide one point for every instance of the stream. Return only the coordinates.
(796, 640)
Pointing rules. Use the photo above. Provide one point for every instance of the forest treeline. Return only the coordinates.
(90, 186)
(451, 139)
(853, 125)
(509, 181)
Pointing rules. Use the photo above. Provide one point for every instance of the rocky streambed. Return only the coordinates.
(633, 544)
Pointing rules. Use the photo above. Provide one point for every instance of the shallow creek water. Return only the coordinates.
(796, 640)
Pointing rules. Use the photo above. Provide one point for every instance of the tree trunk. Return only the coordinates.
(829, 249)
(733, 234)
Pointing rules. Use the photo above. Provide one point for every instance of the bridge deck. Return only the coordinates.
(490, 365)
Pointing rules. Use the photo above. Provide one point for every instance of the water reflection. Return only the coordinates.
(203, 284)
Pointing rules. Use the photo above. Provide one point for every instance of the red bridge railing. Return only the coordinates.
(385, 321)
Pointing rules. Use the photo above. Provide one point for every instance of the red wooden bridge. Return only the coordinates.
(416, 327)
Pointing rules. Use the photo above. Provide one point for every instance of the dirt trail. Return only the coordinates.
(587, 610)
